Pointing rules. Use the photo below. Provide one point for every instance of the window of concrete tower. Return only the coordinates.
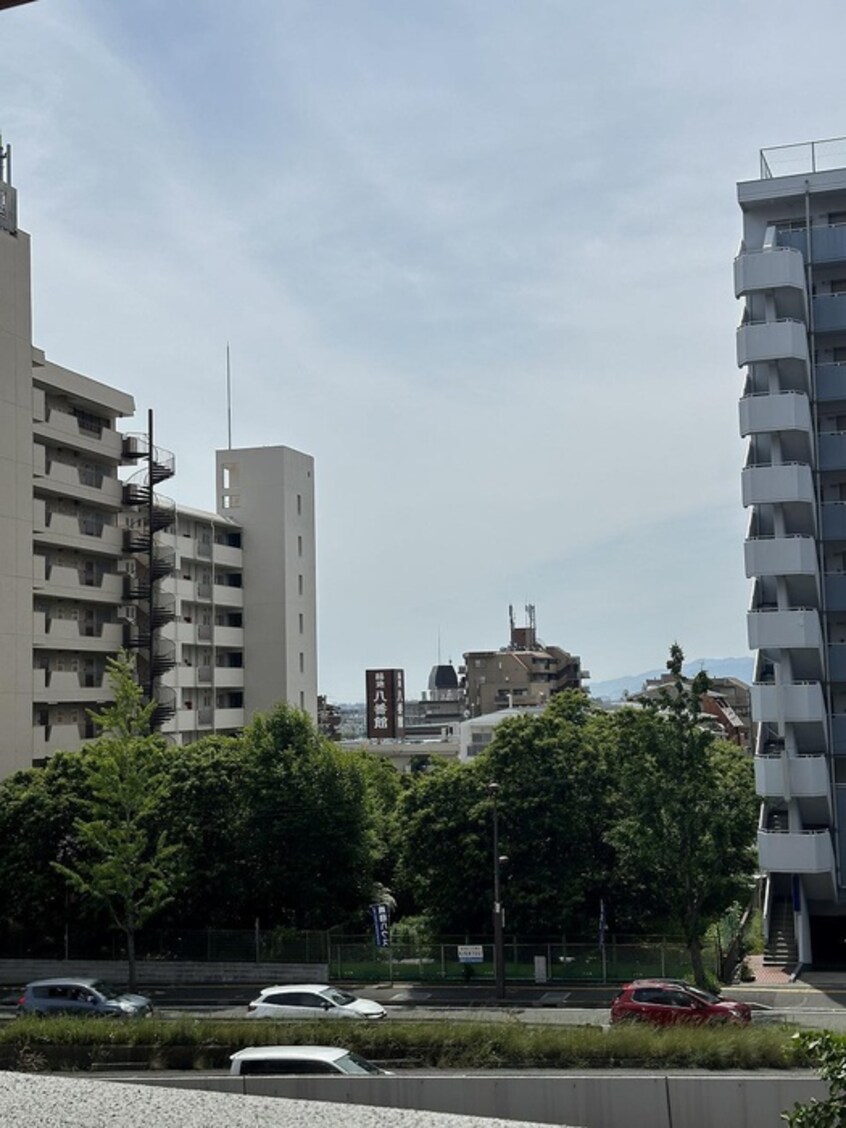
(302, 623)
(302, 700)
(302, 662)
(299, 505)
(300, 584)
(299, 546)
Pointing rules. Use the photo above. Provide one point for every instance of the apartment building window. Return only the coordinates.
(302, 623)
(302, 662)
(302, 699)
(299, 505)
(300, 584)
(299, 546)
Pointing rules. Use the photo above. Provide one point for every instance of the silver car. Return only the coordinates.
(82, 998)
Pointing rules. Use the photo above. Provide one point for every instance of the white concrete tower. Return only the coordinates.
(791, 274)
(269, 492)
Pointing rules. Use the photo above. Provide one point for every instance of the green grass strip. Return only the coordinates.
(439, 1044)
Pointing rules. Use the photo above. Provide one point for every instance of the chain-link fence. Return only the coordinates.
(357, 958)
(527, 960)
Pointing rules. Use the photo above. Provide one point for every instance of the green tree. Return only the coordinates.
(685, 818)
(552, 808)
(120, 861)
(306, 825)
(38, 809)
(827, 1052)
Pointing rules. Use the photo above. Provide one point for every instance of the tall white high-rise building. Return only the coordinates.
(791, 275)
(219, 606)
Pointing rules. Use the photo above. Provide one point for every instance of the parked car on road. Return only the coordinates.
(82, 998)
(311, 1000)
(281, 1060)
(663, 1003)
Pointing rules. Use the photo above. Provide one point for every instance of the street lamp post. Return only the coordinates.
(499, 949)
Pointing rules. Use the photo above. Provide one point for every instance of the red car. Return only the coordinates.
(662, 1003)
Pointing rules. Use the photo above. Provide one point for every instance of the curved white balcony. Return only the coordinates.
(785, 482)
(792, 777)
(781, 556)
(784, 629)
(775, 411)
(773, 269)
(803, 851)
(758, 341)
(795, 702)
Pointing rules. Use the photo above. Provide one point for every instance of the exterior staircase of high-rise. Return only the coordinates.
(781, 949)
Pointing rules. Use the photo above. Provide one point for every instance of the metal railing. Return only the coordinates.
(807, 156)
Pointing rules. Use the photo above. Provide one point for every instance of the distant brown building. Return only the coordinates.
(726, 703)
(523, 673)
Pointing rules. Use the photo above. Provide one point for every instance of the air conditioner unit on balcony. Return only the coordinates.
(127, 612)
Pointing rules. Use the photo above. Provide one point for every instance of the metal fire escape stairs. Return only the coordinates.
(147, 607)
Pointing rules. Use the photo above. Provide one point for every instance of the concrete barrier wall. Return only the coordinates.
(592, 1100)
(152, 973)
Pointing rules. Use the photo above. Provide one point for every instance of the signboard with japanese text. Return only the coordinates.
(470, 953)
(381, 925)
(385, 704)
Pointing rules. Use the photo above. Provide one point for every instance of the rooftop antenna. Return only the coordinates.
(228, 398)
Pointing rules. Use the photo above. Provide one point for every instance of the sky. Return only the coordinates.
(475, 256)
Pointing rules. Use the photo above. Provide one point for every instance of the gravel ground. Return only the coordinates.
(34, 1101)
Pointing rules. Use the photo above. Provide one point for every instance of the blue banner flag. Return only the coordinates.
(381, 925)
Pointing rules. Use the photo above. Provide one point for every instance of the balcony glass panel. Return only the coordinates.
(831, 381)
(829, 313)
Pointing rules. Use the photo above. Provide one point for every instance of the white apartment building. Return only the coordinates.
(239, 631)
(791, 275)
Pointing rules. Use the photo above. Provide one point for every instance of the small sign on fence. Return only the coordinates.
(470, 953)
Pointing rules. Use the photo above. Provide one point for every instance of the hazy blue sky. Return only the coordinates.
(473, 255)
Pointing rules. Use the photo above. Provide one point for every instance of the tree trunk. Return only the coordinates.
(695, 949)
(130, 958)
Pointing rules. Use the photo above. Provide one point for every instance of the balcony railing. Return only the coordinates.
(781, 556)
(802, 851)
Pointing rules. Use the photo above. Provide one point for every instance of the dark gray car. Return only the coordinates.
(83, 998)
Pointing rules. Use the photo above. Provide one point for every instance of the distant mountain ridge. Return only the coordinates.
(614, 689)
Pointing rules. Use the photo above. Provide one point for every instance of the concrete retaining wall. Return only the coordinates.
(594, 1100)
(154, 973)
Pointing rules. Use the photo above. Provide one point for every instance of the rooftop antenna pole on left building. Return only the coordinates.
(228, 399)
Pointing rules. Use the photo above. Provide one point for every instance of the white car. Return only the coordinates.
(280, 1060)
(311, 1000)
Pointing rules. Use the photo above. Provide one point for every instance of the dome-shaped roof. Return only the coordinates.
(443, 677)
